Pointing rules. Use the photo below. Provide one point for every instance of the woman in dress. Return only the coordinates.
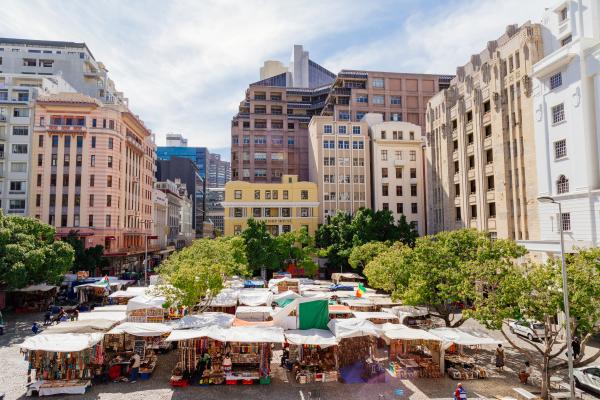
(500, 358)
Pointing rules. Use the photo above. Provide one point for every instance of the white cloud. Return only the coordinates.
(439, 39)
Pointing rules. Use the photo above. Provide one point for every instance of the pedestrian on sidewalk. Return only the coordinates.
(576, 347)
(460, 393)
(35, 328)
(500, 358)
(525, 373)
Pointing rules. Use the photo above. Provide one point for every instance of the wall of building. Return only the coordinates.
(286, 206)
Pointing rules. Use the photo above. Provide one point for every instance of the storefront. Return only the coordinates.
(33, 298)
(146, 308)
(312, 355)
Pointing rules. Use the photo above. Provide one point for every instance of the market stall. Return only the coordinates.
(97, 291)
(146, 308)
(123, 296)
(284, 284)
(226, 301)
(456, 359)
(142, 338)
(63, 363)
(414, 317)
(377, 318)
(83, 326)
(312, 355)
(284, 298)
(413, 352)
(340, 311)
(32, 298)
(346, 278)
(216, 355)
(204, 320)
(257, 313)
(255, 297)
(358, 360)
(361, 305)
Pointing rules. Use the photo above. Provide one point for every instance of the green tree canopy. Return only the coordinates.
(437, 272)
(297, 247)
(362, 255)
(29, 253)
(198, 272)
(260, 246)
(534, 291)
(85, 259)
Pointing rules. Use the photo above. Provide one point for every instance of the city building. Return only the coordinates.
(17, 98)
(92, 172)
(219, 171)
(566, 120)
(179, 213)
(159, 218)
(339, 163)
(480, 141)
(396, 96)
(177, 146)
(398, 174)
(187, 171)
(74, 62)
(269, 134)
(284, 207)
(215, 212)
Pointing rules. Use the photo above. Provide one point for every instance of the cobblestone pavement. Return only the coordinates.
(13, 371)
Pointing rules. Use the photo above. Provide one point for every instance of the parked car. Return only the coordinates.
(588, 378)
(532, 330)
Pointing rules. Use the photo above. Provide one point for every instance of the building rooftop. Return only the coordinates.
(44, 43)
(73, 98)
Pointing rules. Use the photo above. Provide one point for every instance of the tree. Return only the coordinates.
(85, 259)
(297, 247)
(364, 254)
(437, 272)
(260, 247)
(29, 253)
(534, 291)
(407, 233)
(198, 272)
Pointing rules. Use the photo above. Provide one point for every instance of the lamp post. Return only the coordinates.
(550, 200)
(146, 221)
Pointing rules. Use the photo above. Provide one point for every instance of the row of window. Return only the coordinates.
(398, 153)
(385, 190)
(328, 178)
(342, 129)
(344, 196)
(343, 161)
(271, 212)
(392, 116)
(262, 140)
(414, 209)
(473, 208)
(65, 180)
(378, 100)
(398, 135)
(76, 200)
(399, 170)
(271, 194)
(76, 220)
(344, 144)
(473, 186)
(263, 125)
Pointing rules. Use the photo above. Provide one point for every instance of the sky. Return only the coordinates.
(185, 64)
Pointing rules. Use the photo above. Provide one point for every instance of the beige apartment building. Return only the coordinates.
(398, 174)
(480, 141)
(93, 172)
(339, 163)
(396, 96)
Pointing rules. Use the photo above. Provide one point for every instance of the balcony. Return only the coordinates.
(456, 178)
(489, 169)
(3, 136)
(472, 198)
(487, 117)
(473, 222)
(491, 223)
(490, 195)
(457, 200)
(470, 149)
(455, 155)
(3, 118)
(487, 143)
(469, 127)
(471, 173)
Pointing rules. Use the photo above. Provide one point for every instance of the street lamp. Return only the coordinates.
(550, 200)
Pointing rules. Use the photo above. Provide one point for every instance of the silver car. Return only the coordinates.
(532, 330)
(588, 378)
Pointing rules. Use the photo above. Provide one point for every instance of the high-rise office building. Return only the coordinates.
(74, 62)
(93, 172)
(339, 163)
(219, 171)
(480, 141)
(215, 212)
(269, 134)
(17, 99)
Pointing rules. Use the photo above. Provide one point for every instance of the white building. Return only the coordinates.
(159, 217)
(17, 96)
(397, 176)
(179, 213)
(566, 94)
(73, 61)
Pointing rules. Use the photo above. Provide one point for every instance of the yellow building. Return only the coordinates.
(284, 207)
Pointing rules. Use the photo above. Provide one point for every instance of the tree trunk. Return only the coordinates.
(545, 378)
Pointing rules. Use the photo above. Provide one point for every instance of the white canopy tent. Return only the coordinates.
(116, 316)
(84, 326)
(319, 337)
(62, 342)
(241, 334)
(204, 320)
(130, 292)
(288, 294)
(257, 313)
(226, 298)
(144, 302)
(141, 329)
(402, 332)
(463, 337)
(42, 287)
(352, 327)
(375, 315)
(255, 297)
(111, 308)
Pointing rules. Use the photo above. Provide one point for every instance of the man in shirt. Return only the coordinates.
(135, 367)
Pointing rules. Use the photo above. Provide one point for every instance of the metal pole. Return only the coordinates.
(145, 258)
(566, 301)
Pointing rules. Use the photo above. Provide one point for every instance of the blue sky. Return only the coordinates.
(185, 64)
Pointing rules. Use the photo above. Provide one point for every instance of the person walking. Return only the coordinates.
(525, 373)
(500, 358)
(35, 328)
(576, 347)
(135, 367)
(460, 393)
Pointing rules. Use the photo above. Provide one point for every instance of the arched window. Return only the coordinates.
(562, 185)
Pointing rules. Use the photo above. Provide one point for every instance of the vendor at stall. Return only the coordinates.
(313, 355)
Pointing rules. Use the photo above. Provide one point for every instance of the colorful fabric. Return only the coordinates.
(313, 314)
(360, 290)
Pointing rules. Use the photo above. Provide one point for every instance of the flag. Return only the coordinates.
(360, 290)
(104, 281)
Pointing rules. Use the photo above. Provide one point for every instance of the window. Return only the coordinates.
(304, 194)
(413, 189)
(398, 190)
(108, 221)
(563, 14)
(565, 219)
(285, 195)
(395, 100)
(356, 130)
(489, 156)
(457, 216)
(260, 156)
(111, 124)
(91, 200)
(413, 155)
(358, 144)
(398, 154)
(558, 113)
(291, 141)
(560, 149)
(378, 83)
(492, 210)
(342, 129)
(413, 173)
(110, 162)
(490, 183)
(488, 130)
(55, 141)
(344, 116)
(257, 195)
(400, 208)
(329, 144)
(385, 206)
(257, 212)
(20, 112)
(65, 179)
(286, 212)
(456, 167)
(67, 142)
(20, 131)
(267, 195)
(384, 172)
(76, 220)
(384, 155)
(39, 180)
(360, 115)
(237, 194)
(38, 200)
(16, 204)
(78, 160)
(414, 208)
(562, 185)
(304, 212)
(343, 144)
(471, 162)
(487, 107)
(378, 99)
(384, 189)
(40, 160)
(93, 161)
(469, 138)
(108, 200)
(396, 116)
(92, 180)
(109, 181)
(18, 167)
(362, 98)
(411, 136)
(79, 142)
(19, 149)
(110, 143)
(238, 212)
(398, 172)
(474, 211)
(555, 80)
(93, 142)
(41, 141)
(260, 140)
